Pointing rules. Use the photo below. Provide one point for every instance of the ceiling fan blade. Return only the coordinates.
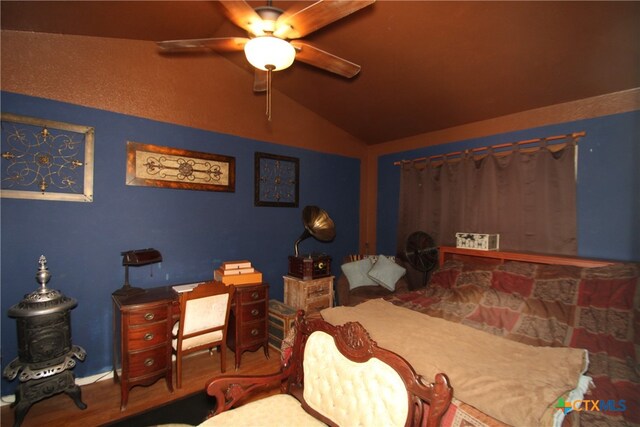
(243, 15)
(321, 59)
(299, 21)
(260, 81)
(224, 44)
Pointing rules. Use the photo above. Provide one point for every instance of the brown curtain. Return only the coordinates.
(527, 195)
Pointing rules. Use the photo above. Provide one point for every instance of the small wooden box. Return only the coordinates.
(479, 241)
(281, 320)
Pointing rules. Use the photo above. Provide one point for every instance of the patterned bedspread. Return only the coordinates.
(592, 308)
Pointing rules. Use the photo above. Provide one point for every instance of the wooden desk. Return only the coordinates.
(142, 349)
(142, 325)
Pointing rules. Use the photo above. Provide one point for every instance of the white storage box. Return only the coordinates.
(483, 242)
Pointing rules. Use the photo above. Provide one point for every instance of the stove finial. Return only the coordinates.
(43, 276)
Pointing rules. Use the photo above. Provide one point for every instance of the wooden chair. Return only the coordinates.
(204, 317)
(336, 375)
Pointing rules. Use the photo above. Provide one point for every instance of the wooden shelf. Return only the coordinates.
(449, 252)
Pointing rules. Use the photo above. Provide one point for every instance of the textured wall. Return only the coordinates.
(194, 230)
(130, 77)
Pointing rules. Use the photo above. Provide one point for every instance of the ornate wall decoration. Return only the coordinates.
(155, 166)
(46, 160)
(276, 180)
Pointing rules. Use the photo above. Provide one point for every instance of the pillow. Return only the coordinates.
(356, 273)
(386, 273)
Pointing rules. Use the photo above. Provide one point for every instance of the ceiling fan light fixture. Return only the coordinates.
(269, 52)
(268, 17)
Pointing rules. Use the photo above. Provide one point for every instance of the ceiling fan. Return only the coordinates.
(273, 40)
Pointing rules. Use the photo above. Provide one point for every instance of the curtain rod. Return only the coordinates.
(508, 144)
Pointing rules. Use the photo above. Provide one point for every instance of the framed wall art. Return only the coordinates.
(155, 166)
(276, 180)
(46, 160)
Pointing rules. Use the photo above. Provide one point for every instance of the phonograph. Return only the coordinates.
(319, 225)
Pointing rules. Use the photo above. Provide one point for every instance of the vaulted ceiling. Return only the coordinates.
(426, 65)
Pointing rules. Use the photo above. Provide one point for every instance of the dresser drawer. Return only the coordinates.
(317, 304)
(148, 362)
(146, 336)
(148, 315)
(251, 295)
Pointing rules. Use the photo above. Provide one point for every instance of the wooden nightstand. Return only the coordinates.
(308, 295)
(248, 320)
(142, 338)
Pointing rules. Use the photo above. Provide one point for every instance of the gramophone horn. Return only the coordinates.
(318, 224)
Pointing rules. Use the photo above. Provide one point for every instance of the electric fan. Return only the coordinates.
(421, 252)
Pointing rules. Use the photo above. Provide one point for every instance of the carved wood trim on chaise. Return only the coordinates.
(339, 376)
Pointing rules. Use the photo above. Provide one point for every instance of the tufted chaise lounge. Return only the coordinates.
(336, 375)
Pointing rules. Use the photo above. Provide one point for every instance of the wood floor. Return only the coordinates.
(103, 397)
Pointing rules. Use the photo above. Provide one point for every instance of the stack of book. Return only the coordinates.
(237, 273)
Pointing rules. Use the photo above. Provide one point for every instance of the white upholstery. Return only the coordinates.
(280, 410)
(350, 393)
(202, 313)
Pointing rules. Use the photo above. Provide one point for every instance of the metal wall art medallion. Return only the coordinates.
(46, 160)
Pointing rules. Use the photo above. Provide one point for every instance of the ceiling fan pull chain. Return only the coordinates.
(269, 68)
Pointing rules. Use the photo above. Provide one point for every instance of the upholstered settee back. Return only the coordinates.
(350, 393)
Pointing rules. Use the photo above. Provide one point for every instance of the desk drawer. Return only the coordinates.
(253, 332)
(148, 362)
(252, 294)
(148, 315)
(252, 312)
(146, 336)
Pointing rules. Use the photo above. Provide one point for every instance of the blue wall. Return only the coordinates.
(194, 230)
(608, 190)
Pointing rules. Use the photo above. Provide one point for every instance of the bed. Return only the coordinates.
(522, 337)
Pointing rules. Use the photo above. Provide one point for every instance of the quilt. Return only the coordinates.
(596, 309)
(510, 381)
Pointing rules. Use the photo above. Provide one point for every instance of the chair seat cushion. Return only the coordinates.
(194, 341)
(279, 410)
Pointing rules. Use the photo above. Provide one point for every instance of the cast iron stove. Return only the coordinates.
(45, 353)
